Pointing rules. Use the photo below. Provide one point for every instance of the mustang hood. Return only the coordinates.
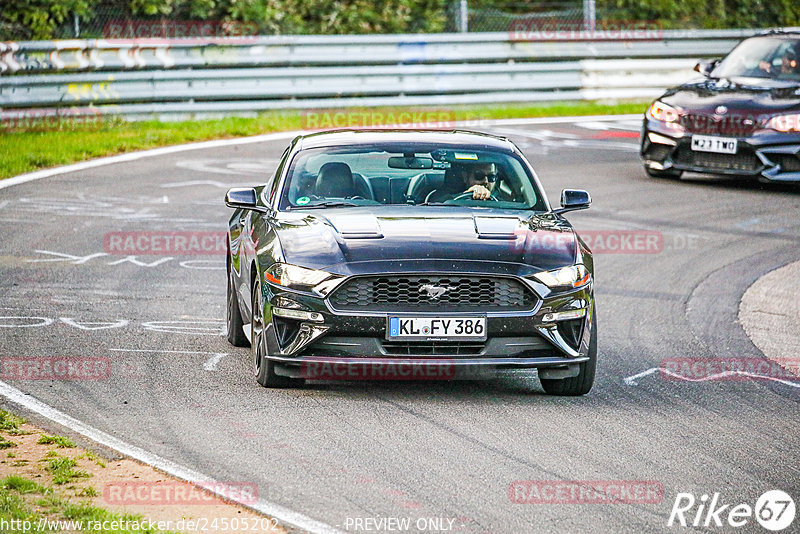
(362, 240)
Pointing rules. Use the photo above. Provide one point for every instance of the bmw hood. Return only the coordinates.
(408, 238)
(740, 95)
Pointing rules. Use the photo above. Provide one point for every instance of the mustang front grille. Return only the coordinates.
(399, 348)
(450, 293)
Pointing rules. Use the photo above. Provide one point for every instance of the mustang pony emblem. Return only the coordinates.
(433, 292)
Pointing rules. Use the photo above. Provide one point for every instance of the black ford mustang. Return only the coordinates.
(743, 118)
(416, 254)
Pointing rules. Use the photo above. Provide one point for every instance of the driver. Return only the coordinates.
(789, 63)
(476, 178)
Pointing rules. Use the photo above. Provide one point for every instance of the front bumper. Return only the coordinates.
(520, 339)
(765, 154)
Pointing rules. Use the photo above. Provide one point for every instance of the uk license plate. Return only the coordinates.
(710, 143)
(436, 328)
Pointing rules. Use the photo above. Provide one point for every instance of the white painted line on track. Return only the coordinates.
(634, 379)
(208, 365)
(276, 511)
(558, 120)
(211, 363)
(197, 182)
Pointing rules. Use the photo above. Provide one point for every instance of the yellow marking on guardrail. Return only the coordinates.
(92, 91)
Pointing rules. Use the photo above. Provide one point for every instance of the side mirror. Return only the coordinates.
(242, 197)
(705, 66)
(574, 199)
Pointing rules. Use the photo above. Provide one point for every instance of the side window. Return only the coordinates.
(278, 172)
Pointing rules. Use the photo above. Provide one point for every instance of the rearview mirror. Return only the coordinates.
(705, 66)
(241, 197)
(402, 162)
(574, 199)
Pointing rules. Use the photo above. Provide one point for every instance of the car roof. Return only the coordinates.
(792, 34)
(454, 138)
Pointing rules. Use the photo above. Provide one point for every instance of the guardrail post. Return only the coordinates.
(462, 22)
(589, 15)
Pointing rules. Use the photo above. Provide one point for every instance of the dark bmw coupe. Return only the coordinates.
(743, 118)
(409, 254)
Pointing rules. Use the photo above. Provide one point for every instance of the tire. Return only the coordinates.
(264, 369)
(581, 384)
(235, 324)
(672, 174)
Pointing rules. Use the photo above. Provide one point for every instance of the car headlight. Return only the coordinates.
(663, 113)
(565, 278)
(295, 277)
(785, 123)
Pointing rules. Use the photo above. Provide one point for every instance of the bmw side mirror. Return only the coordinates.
(705, 66)
(574, 199)
(242, 197)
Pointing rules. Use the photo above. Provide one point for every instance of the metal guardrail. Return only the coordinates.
(156, 76)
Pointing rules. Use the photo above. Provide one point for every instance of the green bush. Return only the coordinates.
(47, 19)
(703, 13)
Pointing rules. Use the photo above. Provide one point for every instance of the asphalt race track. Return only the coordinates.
(450, 451)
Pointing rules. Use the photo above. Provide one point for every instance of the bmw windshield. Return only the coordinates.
(403, 174)
(762, 57)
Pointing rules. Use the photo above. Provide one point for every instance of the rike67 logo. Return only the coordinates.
(774, 510)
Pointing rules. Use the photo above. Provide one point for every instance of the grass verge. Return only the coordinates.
(27, 147)
(59, 494)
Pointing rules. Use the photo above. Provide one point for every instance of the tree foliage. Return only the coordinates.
(47, 19)
(37, 19)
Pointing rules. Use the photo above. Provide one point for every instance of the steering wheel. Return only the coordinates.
(468, 195)
(356, 197)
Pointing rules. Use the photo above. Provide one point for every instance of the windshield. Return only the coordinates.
(403, 174)
(762, 57)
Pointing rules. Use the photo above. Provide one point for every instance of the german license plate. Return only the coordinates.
(437, 328)
(709, 143)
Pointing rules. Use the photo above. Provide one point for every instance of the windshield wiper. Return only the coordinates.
(326, 204)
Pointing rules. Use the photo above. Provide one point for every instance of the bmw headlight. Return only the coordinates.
(301, 278)
(565, 278)
(662, 112)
